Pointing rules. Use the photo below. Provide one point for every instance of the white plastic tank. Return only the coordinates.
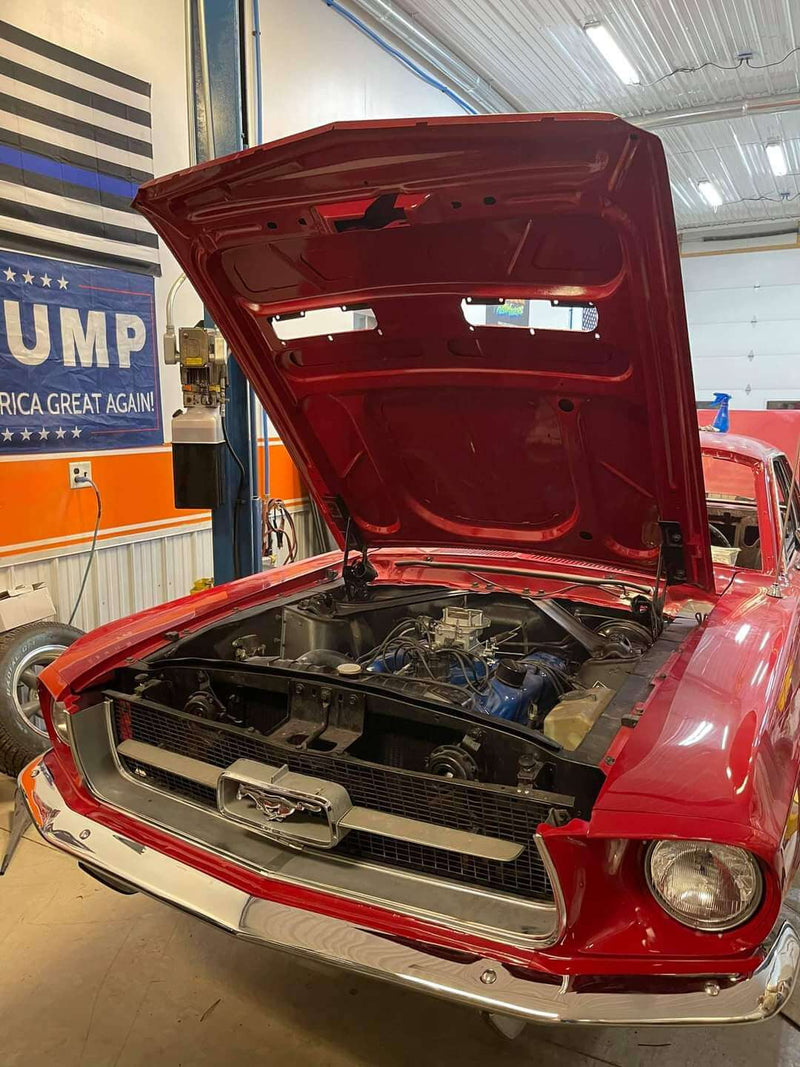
(575, 714)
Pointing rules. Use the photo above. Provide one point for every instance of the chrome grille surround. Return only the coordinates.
(494, 811)
(456, 906)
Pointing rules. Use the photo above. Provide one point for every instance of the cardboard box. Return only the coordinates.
(25, 603)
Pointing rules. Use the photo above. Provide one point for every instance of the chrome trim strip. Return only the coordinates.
(184, 766)
(449, 904)
(483, 983)
(425, 833)
(355, 818)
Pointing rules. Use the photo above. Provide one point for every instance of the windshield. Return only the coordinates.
(725, 479)
(732, 516)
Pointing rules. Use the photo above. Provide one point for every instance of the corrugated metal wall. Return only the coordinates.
(125, 577)
(131, 576)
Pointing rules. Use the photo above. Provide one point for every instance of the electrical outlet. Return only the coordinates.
(79, 470)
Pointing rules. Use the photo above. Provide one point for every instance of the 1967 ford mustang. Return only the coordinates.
(531, 739)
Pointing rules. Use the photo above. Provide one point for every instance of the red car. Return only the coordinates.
(530, 741)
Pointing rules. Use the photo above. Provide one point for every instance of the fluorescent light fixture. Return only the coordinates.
(709, 192)
(777, 158)
(611, 53)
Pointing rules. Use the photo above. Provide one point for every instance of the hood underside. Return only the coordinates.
(438, 423)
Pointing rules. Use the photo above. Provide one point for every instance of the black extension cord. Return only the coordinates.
(82, 479)
(237, 564)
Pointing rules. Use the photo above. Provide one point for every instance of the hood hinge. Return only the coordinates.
(672, 556)
(357, 575)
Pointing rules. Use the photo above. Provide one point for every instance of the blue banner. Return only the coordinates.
(78, 357)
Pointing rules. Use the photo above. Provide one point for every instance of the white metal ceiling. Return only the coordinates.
(535, 54)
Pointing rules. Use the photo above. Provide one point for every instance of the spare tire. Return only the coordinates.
(24, 651)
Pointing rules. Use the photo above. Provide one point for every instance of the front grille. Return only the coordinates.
(458, 805)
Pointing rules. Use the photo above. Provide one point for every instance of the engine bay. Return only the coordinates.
(510, 658)
(486, 687)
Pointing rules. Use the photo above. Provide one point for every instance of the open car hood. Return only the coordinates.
(428, 429)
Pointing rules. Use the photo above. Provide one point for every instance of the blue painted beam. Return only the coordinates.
(259, 131)
(236, 523)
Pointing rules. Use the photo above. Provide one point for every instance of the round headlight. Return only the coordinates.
(708, 887)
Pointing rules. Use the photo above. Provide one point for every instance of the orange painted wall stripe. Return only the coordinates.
(284, 478)
(8, 554)
(37, 505)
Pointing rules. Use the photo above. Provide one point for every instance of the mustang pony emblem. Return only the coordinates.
(273, 807)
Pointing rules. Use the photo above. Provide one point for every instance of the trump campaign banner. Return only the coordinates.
(78, 357)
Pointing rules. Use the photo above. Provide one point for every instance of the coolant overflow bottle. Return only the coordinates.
(575, 714)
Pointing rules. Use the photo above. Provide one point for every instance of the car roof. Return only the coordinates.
(735, 444)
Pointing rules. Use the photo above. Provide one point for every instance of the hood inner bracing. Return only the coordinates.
(426, 425)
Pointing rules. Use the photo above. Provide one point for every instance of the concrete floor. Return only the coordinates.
(90, 978)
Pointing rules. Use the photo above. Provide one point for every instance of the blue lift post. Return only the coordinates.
(217, 62)
(259, 132)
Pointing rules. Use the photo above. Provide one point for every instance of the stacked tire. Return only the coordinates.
(24, 652)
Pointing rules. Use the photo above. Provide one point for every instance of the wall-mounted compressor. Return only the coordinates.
(198, 430)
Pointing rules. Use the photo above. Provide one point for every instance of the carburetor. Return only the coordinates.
(458, 628)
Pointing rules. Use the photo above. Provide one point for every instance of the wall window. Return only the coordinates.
(531, 314)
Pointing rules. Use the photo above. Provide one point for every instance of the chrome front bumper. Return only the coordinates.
(486, 984)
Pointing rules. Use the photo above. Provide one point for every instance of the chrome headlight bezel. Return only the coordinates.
(60, 720)
(711, 925)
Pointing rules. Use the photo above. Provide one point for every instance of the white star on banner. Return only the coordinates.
(10, 274)
(61, 434)
(7, 435)
(26, 434)
(62, 282)
(46, 279)
(43, 434)
(76, 432)
(27, 277)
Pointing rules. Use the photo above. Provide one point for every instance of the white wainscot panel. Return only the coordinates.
(124, 577)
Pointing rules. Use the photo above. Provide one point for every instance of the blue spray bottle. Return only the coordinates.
(721, 419)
